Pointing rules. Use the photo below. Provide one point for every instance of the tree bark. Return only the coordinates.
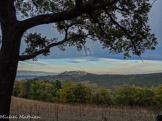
(7, 76)
(8, 69)
(9, 54)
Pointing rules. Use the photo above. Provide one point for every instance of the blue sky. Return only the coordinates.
(99, 60)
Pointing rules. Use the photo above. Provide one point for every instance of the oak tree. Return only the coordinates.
(120, 25)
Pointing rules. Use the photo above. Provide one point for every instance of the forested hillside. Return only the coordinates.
(108, 80)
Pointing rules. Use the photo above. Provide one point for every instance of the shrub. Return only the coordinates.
(102, 97)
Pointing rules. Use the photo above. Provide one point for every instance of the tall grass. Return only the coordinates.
(69, 112)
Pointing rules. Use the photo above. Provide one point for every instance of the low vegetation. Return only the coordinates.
(78, 112)
(80, 93)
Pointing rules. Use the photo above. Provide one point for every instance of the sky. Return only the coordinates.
(99, 60)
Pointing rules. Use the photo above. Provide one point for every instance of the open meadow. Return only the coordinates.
(68, 112)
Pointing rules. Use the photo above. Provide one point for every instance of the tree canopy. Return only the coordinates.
(120, 25)
(82, 93)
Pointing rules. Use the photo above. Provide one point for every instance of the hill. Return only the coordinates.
(108, 80)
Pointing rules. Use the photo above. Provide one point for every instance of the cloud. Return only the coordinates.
(30, 62)
(82, 59)
(94, 65)
(89, 59)
(73, 61)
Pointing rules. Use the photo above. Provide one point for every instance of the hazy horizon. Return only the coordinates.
(93, 65)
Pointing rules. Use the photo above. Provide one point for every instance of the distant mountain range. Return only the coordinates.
(107, 80)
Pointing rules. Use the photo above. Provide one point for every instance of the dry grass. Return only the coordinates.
(67, 112)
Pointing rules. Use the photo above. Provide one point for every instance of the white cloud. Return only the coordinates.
(93, 65)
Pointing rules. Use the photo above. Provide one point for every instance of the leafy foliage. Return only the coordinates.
(158, 96)
(131, 95)
(68, 92)
(102, 97)
(120, 26)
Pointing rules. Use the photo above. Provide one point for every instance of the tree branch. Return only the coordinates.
(64, 15)
(7, 11)
(34, 3)
(99, 24)
(79, 4)
(122, 28)
(47, 48)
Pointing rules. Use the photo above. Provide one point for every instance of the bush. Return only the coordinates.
(102, 97)
(158, 96)
(124, 95)
(78, 93)
(144, 96)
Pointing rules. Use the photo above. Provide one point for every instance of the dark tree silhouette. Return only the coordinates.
(120, 25)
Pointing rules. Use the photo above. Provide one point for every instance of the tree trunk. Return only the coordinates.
(7, 77)
(9, 54)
